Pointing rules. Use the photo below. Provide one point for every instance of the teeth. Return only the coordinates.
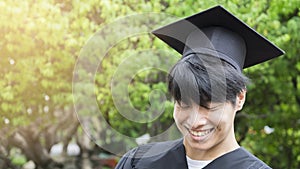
(200, 133)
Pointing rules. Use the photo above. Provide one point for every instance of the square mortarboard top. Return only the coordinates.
(229, 38)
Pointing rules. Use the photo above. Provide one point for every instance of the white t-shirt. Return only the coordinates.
(196, 164)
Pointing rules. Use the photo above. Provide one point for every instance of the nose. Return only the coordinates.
(199, 117)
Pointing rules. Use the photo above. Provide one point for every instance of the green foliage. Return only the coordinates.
(19, 160)
(273, 97)
(34, 60)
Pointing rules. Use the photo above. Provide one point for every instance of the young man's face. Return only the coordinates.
(206, 128)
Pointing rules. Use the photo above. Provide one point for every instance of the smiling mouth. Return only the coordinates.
(201, 133)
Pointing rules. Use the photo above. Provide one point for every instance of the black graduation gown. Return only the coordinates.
(171, 155)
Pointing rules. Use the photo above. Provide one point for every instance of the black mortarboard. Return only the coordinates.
(219, 33)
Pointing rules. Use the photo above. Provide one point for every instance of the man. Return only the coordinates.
(208, 88)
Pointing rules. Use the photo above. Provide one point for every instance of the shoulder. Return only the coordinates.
(239, 159)
(253, 161)
(146, 155)
(125, 161)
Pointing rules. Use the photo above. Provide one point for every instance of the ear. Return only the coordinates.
(240, 100)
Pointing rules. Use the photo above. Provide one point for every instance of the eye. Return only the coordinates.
(215, 107)
(184, 106)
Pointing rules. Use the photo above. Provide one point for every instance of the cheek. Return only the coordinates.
(223, 117)
(176, 115)
(179, 116)
(217, 118)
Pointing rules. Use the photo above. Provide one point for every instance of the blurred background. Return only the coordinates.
(41, 42)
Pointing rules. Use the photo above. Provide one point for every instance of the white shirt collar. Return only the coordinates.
(196, 164)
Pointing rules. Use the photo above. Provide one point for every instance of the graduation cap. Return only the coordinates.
(218, 33)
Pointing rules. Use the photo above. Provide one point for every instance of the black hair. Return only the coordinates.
(204, 79)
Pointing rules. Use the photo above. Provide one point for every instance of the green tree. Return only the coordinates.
(41, 42)
(37, 58)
